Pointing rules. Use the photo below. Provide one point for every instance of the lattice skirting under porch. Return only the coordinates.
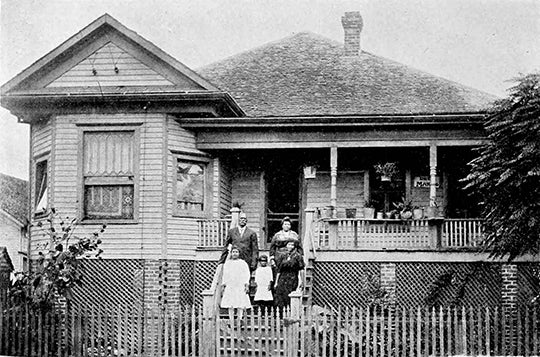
(356, 284)
(132, 283)
(479, 284)
(528, 280)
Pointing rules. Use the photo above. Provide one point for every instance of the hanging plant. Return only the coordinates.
(387, 171)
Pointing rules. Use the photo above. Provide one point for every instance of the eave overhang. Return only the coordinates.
(474, 119)
(30, 104)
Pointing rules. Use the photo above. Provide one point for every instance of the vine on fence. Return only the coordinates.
(58, 268)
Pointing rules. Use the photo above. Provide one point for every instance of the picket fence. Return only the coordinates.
(317, 331)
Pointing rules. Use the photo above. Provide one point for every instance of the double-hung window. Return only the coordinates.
(109, 165)
(191, 186)
(40, 188)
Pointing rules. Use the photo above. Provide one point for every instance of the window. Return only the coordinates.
(191, 186)
(109, 175)
(41, 191)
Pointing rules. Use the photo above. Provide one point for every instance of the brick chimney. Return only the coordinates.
(352, 26)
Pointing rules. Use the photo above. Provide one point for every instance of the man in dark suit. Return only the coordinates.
(246, 241)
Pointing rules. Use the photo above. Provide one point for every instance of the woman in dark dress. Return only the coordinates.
(279, 242)
(289, 266)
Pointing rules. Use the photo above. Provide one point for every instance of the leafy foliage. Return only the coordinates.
(58, 268)
(506, 175)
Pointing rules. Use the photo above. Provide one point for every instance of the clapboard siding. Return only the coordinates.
(182, 232)
(225, 191)
(41, 134)
(41, 137)
(246, 189)
(420, 196)
(138, 240)
(350, 191)
(131, 71)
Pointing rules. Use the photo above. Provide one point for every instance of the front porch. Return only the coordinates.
(437, 234)
(350, 208)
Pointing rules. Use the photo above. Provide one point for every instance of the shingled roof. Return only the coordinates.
(309, 75)
(14, 197)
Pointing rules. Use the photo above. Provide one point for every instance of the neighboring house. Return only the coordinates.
(125, 134)
(6, 268)
(14, 219)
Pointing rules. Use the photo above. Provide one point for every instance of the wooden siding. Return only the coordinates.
(225, 191)
(420, 196)
(222, 195)
(131, 71)
(182, 232)
(246, 189)
(350, 191)
(13, 239)
(41, 137)
(137, 240)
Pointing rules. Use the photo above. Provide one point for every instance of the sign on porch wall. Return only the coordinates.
(423, 181)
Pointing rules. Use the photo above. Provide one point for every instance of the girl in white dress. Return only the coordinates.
(235, 285)
(263, 280)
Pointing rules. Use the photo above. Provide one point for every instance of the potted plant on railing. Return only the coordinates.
(350, 212)
(405, 208)
(369, 209)
(418, 212)
(387, 171)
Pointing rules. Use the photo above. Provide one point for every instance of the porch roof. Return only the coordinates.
(308, 75)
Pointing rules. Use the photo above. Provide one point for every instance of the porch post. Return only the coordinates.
(432, 175)
(333, 178)
(235, 213)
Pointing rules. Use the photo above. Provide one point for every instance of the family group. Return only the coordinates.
(275, 277)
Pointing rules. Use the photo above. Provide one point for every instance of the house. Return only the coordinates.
(123, 133)
(14, 220)
(6, 268)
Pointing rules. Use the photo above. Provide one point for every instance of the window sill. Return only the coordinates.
(108, 221)
(197, 215)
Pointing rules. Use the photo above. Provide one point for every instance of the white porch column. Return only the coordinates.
(333, 180)
(432, 174)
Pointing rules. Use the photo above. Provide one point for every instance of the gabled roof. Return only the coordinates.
(308, 75)
(14, 198)
(102, 29)
(5, 261)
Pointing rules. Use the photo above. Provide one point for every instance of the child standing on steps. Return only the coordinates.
(263, 280)
(236, 285)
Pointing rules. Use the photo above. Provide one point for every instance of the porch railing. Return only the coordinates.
(462, 232)
(212, 232)
(397, 234)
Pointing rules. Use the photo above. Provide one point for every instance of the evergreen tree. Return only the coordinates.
(506, 175)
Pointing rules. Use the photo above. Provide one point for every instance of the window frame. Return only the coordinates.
(82, 181)
(38, 160)
(207, 185)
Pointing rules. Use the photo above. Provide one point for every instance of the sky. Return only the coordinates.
(480, 43)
